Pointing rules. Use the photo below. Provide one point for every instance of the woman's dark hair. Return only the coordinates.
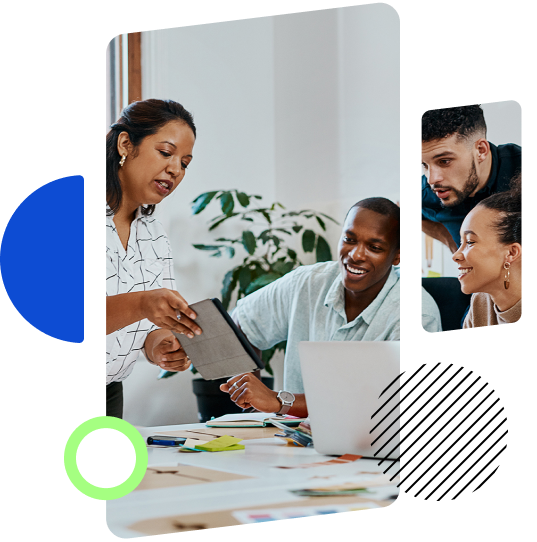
(508, 225)
(139, 120)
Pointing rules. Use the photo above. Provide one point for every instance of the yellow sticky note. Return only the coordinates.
(193, 442)
(221, 444)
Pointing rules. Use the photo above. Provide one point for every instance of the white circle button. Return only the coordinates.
(106, 458)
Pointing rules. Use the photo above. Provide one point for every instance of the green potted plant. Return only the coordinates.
(266, 242)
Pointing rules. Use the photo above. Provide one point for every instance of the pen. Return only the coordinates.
(163, 442)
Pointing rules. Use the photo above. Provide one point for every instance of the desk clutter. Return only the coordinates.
(225, 443)
(301, 436)
(191, 485)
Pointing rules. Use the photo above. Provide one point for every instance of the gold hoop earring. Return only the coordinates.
(507, 267)
(122, 161)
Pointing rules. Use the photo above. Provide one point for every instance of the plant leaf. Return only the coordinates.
(264, 236)
(248, 241)
(245, 277)
(297, 228)
(291, 253)
(202, 201)
(227, 203)
(321, 223)
(228, 285)
(266, 356)
(283, 267)
(322, 250)
(221, 219)
(250, 219)
(256, 196)
(330, 218)
(230, 252)
(308, 240)
(207, 247)
(261, 281)
(243, 199)
(166, 374)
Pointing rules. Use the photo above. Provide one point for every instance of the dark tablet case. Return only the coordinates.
(221, 351)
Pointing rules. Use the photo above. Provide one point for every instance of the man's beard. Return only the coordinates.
(470, 185)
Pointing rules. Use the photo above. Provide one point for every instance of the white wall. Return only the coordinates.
(321, 109)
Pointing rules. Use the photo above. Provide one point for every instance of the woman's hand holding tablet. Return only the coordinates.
(168, 310)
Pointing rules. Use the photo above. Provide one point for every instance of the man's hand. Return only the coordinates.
(247, 391)
(164, 350)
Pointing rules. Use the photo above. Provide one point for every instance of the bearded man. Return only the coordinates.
(460, 169)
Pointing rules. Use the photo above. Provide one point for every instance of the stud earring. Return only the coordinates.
(122, 161)
(507, 267)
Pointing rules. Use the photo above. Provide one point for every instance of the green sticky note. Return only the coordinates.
(220, 444)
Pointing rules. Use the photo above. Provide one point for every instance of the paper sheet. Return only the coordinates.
(183, 475)
(347, 458)
(243, 433)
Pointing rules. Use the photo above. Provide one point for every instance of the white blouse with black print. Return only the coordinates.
(146, 265)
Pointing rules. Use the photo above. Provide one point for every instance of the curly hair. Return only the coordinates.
(139, 120)
(463, 121)
(508, 204)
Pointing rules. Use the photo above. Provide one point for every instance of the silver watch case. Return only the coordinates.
(287, 399)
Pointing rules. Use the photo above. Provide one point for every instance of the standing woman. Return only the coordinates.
(147, 153)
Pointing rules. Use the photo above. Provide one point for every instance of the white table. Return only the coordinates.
(187, 507)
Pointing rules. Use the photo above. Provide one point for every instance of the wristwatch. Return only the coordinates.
(287, 399)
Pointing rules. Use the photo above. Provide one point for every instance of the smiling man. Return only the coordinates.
(353, 299)
(461, 168)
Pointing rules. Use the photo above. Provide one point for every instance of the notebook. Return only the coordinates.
(252, 419)
(221, 351)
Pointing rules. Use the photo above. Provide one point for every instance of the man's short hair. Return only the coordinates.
(408, 220)
(463, 121)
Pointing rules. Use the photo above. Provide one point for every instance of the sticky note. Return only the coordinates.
(221, 444)
(193, 442)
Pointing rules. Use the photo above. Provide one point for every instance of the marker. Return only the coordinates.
(160, 441)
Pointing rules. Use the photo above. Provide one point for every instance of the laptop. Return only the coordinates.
(346, 383)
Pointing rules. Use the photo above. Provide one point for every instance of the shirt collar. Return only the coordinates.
(137, 215)
(335, 298)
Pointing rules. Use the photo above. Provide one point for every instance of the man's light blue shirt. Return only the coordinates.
(308, 304)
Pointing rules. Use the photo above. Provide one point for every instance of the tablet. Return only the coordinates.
(221, 351)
